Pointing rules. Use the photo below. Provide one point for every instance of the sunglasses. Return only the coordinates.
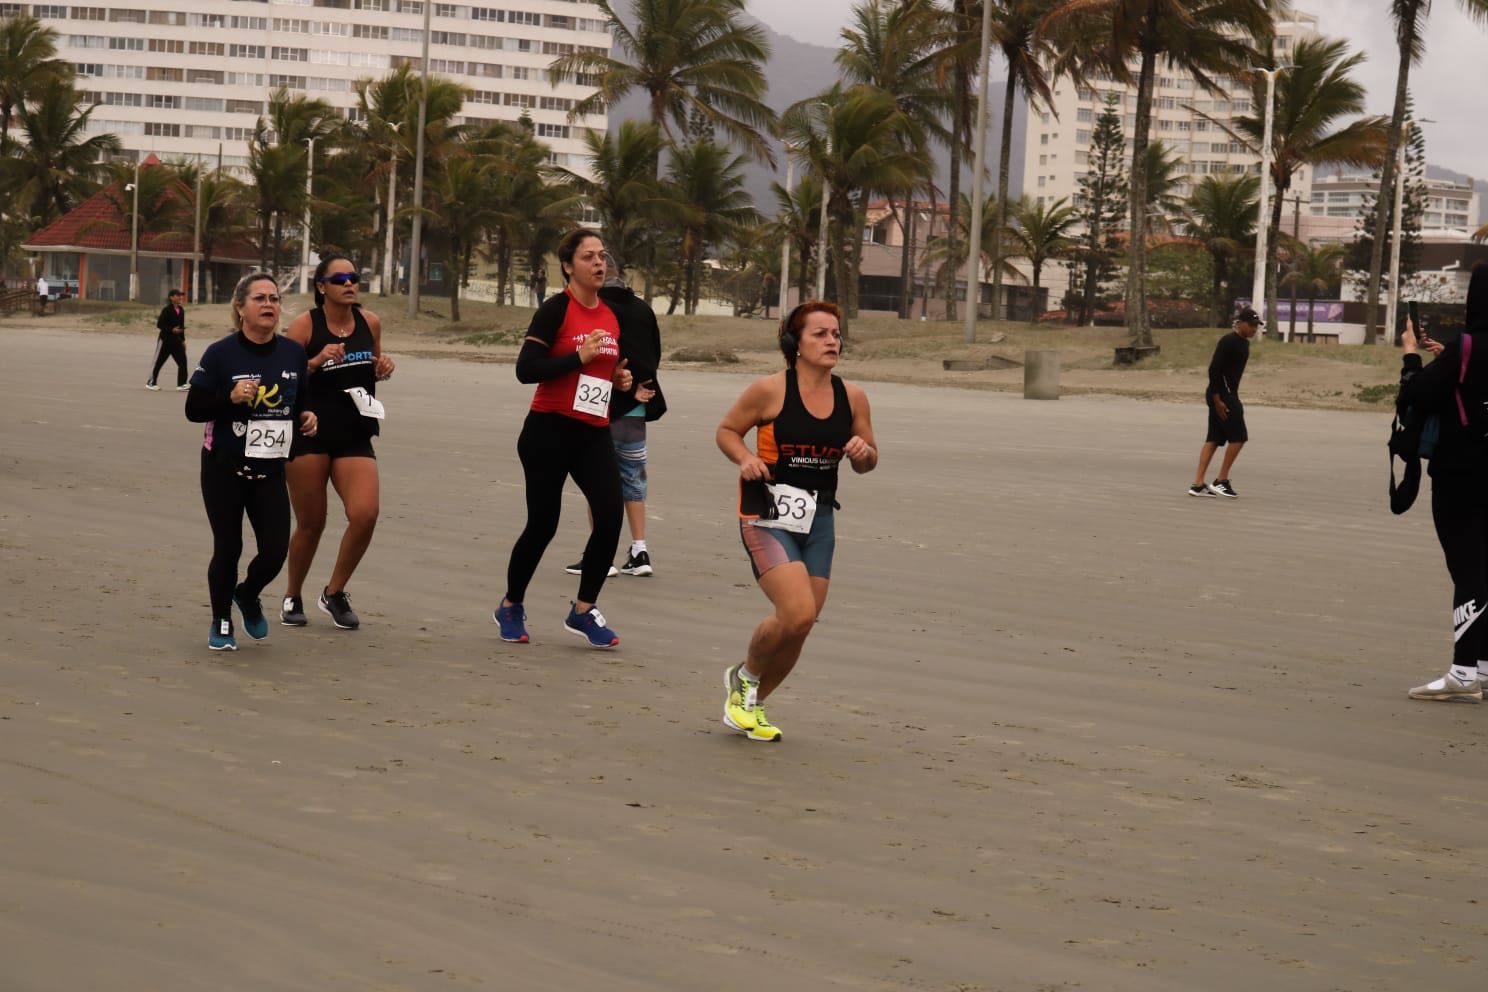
(343, 279)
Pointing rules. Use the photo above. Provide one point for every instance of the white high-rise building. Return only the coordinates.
(183, 78)
(1056, 153)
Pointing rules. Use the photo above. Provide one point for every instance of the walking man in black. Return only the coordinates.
(1226, 413)
(172, 341)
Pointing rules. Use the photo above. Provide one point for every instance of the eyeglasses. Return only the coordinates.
(343, 279)
(262, 298)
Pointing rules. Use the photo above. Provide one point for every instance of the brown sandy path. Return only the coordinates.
(1061, 727)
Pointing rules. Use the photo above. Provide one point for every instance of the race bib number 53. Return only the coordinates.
(592, 396)
(268, 438)
(795, 509)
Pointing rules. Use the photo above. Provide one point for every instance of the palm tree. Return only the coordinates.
(1165, 178)
(1221, 213)
(529, 210)
(28, 64)
(1043, 232)
(1020, 30)
(278, 158)
(1315, 271)
(950, 251)
(57, 164)
(1205, 39)
(892, 46)
(624, 190)
(164, 198)
(1311, 97)
(857, 148)
(688, 57)
(1410, 30)
(387, 105)
(226, 216)
(458, 213)
(960, 38)
(706, 185)
(799, 223)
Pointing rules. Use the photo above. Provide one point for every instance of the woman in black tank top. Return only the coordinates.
(344, 345)
(807, 421)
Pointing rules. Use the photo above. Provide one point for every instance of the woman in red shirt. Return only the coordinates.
(572, 352)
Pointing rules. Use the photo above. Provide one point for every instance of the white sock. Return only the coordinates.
(1464, 674)
(746, 676)
(636, 547)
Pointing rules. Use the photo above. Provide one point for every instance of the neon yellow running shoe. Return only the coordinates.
(738, 707)
(763, 730)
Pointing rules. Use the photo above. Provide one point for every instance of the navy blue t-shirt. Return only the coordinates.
(279, 367)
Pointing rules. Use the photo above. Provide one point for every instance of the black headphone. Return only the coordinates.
(789, 343)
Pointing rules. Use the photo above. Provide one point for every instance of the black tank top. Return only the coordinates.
(803, 450)
(326, 396)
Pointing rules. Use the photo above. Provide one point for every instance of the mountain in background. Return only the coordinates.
(798, 71)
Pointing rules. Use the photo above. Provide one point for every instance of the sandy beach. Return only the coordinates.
(1060, 727)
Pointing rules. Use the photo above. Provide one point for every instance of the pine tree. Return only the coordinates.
(1102, 205)
(1412, 208)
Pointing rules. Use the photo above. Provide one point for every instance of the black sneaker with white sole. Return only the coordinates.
(577, 568)
(638, 563)
(338, 607)
(1200, 490)
(292, 612)
(1222, 487)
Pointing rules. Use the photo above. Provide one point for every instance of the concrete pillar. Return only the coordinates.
(1041, 375)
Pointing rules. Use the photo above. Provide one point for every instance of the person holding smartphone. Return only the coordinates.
(1226, 413)
(1459, 475)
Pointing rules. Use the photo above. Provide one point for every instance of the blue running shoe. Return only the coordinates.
(222, 638)
(254, 621)
(513, 622)
(591, 627)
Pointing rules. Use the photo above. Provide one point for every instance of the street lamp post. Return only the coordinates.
(134, 237)
(415, 246)
(305, 225)
(1397, 215)
(790, 165)
(387, 254)
(973, 258)
(1263, 219)
(196, 252)
(821, 236)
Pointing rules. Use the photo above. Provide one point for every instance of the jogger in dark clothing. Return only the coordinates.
(171, 342)
(1459, 474)
(1226, 413)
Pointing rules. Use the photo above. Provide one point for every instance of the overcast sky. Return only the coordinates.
(1449, 86)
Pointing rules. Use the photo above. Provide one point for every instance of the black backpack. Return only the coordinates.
(1413, 438)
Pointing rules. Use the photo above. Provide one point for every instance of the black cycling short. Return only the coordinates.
(1230, 430)
(342, 447)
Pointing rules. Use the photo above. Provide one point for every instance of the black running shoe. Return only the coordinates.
(254, 621)
(637, 564)
(1222, 487)
(577, 568)
(338, 607)
(292, 612)
(1200, 490)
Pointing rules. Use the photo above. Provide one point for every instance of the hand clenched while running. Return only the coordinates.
(858, 451)
(309, 424)
(385, 367)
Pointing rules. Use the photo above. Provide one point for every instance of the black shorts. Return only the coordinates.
(1231, 430)
(357, 446)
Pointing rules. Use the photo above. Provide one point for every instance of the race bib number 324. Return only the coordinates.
(592, 396)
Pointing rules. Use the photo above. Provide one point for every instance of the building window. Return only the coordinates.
(552, 131)
(160, 130)
(89, 14)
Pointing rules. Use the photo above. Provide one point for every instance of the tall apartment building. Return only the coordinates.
(1057, 149)
(183, 78)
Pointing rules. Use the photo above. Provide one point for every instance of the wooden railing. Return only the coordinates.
(12, 300)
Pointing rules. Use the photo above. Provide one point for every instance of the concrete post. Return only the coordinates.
(1041, 375)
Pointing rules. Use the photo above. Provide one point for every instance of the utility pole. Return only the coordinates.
(785, 246)
(416, 242)
(134, 286)
(1297, 237)
(1263, 208)
(821, 234)
(387, 255)
(196, 252)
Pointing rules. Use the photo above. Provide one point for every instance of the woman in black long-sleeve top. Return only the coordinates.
(1459, 475)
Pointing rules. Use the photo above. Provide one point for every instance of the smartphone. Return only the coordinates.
(1414, 312)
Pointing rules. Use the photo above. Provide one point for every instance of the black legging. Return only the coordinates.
(173, 346)
(1461, 517)
(553, 447)
(227, 497)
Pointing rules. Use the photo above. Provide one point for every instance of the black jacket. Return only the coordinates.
(640, 346)
(168, 321)
(1433, 388)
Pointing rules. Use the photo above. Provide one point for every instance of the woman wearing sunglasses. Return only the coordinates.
(344, 345)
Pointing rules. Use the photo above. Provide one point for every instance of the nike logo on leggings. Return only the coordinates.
(1463, 617)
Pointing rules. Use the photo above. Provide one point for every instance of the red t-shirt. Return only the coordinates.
(584, 383)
